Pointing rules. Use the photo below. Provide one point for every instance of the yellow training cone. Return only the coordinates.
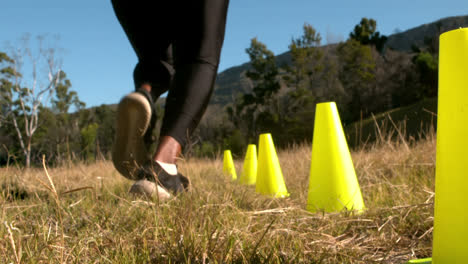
(228, 165)
(451, 199)
(249, 171)
(269, 176)
(333, 184)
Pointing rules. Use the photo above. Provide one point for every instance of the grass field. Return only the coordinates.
(87, 216)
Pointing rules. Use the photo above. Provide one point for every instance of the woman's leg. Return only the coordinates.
(197, 46)
(149, 32)
(148, 28)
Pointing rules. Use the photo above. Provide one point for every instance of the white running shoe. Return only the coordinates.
(149, 189)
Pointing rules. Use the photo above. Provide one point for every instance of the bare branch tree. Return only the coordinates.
(26, 94)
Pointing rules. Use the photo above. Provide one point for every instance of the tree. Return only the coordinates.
(302, 77)
(366, 34)
(264, 76)
(425, 62)
(105, 116)
(263, 73)
(88, 140)
(305, 59)
(21, 96)
(6, 74)
(357, 76)
(64, 97)
(401, 79)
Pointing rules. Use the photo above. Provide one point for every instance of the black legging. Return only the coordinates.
(178, 44)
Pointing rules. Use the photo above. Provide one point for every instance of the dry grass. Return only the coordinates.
(91, 218)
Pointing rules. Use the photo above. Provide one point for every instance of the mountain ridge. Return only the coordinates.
(233, 81)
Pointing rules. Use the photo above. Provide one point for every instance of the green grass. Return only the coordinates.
(91, 218)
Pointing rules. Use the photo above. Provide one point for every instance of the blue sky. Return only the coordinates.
(99, 60)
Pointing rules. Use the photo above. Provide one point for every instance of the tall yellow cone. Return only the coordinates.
(451, 200)
(269, 176)
(333, 184)
(249, 171)
(228, 165)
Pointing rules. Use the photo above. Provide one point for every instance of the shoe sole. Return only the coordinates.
(149, 189)
(133, 119)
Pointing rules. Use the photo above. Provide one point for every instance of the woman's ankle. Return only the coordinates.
(168, 150)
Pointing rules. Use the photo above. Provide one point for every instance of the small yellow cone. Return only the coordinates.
(269, 176)
(333, 184)
(228, 165)
(249, 171)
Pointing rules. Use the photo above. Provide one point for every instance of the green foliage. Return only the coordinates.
(357, 76)
(64, 97)
(105, 117)
(49, 136)
(6, 97)
(88, 141)
(426, 62)
(235, 142)
(306, 59)
(306, 63)
(264, 76)
(263, 73)
(366, 34)
(206, 150)
(427, 67)
(421, 78)
(301, 77)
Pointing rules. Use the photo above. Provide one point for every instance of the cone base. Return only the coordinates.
(344, 210)
(420, 261)
(274, 195)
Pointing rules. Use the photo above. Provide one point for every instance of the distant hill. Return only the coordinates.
(415, 36)
(233, 80)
